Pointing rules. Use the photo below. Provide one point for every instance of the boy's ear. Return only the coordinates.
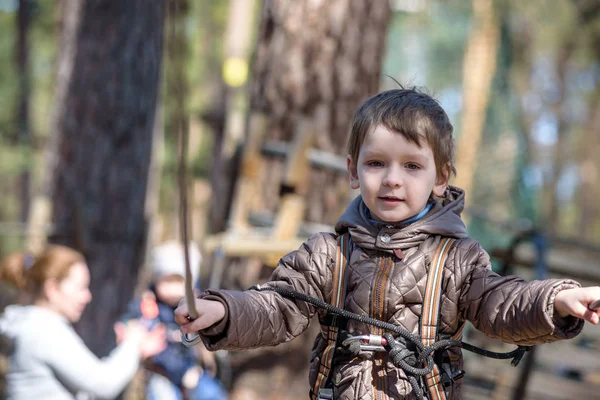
(352, 173)
(441, 182)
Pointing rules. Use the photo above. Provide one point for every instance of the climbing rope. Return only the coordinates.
(415, 363)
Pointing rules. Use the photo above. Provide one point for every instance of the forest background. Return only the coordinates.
(94, 93)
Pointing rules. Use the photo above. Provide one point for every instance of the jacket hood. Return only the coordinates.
(11, 320)
(17, 320)
(443, 219)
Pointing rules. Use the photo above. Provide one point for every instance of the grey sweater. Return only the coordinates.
(50, 361)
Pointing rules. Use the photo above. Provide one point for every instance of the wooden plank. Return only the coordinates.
(295, 182)
(297, 168)
(266, 219)
(289, 217)
(316, 157)
(259, 246)
(243, 240)
(249, 180)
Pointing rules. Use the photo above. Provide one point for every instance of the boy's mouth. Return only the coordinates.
(390, 199)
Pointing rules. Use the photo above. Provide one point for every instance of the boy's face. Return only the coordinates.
(395, 176)
(170, 289)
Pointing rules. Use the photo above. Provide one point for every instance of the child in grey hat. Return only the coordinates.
(176, 371)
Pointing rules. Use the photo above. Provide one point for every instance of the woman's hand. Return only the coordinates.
(126, 330)
(209, 313)
(152, 341)
(576, 302)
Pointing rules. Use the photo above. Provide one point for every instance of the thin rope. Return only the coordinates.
(398, 354)
(182, 148)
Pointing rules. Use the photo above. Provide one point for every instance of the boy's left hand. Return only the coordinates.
(576, 302)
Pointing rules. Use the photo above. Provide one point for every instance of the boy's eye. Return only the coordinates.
(412, 166)
(374, 163)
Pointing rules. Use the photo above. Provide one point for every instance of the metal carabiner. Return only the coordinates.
(369, 342)
(190, 341)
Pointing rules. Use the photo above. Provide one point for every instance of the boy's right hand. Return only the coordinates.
(209, 313)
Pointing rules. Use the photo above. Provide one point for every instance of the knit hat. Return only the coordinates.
(169, 259)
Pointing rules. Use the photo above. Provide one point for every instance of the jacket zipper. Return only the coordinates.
(378, 307)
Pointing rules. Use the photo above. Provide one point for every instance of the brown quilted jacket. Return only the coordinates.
(385, 287)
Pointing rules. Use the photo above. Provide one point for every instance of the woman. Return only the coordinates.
(49, 359)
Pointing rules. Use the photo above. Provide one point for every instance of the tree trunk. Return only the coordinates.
(587, 228)
(589, 167)
(561, 150)
(227, 110)
(106, 124)
(479, 66)
(41, 206)
(24, 139)
(315, 61)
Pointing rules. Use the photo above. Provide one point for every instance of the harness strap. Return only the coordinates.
(431, 311)
(331, 331)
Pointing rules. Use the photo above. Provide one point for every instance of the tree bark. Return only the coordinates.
(104, 147)
(228, 108)
(561, 148)
(41, 206)
(588, 12)
(24, 138)
(318, 60)
(588, 171)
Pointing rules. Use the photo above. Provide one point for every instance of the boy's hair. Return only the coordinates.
(411, 113)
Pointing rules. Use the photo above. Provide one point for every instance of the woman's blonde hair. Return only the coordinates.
(29, 274)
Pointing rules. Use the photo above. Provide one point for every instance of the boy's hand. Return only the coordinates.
(576, 302)
(209, 313)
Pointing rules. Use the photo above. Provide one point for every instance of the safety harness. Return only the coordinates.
(413, 354)
(431, 312)
(323, 388)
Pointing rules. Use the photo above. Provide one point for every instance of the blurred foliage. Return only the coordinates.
(8, 74)
(517, 174)
(15, 157)
(194, 49)
(43, 43)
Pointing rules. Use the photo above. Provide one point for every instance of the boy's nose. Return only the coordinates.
(393, 178)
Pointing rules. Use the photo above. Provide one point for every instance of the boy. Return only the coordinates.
(400, 157)
(176, 373)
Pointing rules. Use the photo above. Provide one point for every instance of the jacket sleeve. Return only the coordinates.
(78, 368)
(255, 319)
(509, 308)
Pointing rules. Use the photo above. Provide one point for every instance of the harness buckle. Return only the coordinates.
(368, 342)
(325, 394)
(190, 341)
